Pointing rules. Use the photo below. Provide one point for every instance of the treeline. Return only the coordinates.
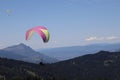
(40, 78)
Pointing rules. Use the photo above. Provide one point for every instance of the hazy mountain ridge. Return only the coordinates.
(64, 53)
(22, 49)
(25, 53)
(10, 55)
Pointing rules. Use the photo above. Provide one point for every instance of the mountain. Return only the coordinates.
(103, 65)
(25, 53)
(10, 55)
(65, 53)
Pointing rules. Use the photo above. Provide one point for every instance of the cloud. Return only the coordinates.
(94, 38)
(112, 38)
(91, 38)
(101, 38)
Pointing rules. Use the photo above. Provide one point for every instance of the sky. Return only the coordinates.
(70, 22)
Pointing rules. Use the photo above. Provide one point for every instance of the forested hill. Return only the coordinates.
(99, 66)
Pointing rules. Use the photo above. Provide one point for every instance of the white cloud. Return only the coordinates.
(112, 38)
(94, 38)
(91, 38)
(101, 38)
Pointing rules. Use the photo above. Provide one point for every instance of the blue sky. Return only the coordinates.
(70, 22)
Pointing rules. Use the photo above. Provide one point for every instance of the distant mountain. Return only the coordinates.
(103, 65)
(25, 53)
(65, 53)
(10, 55)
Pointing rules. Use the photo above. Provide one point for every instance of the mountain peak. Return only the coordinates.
(20, 48)
(29, 54)
(21, 44)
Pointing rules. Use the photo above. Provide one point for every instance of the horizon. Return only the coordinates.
(60, 47)
(70, 22)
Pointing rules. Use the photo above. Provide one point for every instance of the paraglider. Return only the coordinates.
(41, 30)
(8, 11)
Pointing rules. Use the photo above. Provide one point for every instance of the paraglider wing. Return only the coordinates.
(8, 11)
(41, 30)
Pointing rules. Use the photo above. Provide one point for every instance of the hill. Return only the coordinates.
(25, 53)
(19, 70)
(103, 65)
(100, 66)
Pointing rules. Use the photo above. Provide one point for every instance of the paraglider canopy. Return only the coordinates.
(8, 11)
(41, 30)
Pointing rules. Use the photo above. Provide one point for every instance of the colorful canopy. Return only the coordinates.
(41, 30)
